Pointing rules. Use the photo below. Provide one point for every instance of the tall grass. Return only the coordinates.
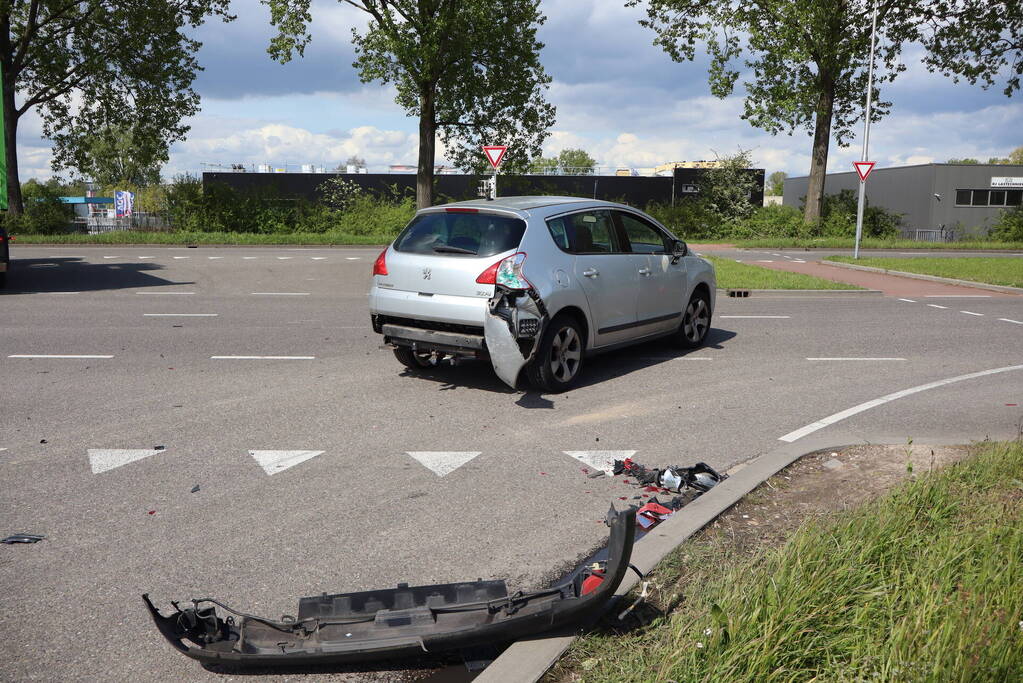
(925, 584)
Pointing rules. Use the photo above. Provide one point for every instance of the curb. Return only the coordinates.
(929, 278)
(786, 293)
(529, 660)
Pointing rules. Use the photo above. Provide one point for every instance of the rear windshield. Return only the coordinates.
(471, 234)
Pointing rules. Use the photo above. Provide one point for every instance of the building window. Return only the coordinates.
(989, 197)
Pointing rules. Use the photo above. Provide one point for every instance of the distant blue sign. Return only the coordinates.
(124, 203)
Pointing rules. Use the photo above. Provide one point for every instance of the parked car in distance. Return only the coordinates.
(536, 284)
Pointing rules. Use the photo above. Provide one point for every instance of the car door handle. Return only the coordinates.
(592, 272)
(644, 271)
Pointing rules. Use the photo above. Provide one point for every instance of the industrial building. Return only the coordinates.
(936, 201)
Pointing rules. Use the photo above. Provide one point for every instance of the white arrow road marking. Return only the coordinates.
(600, 460)
(104, 459)
(443, 462)
(273, 462)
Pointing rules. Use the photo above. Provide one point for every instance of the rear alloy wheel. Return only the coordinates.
(414, 360)
(695, 322)
(557, 363)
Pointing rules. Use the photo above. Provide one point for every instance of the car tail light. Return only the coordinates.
(380, 265)
(506, 272)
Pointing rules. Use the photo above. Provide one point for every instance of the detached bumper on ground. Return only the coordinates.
(399, 622)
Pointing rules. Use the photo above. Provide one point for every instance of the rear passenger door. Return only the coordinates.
(662, 284)
(601, 268)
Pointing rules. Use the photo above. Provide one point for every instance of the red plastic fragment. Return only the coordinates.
(653, 489)
(152, 512)
(622, 498)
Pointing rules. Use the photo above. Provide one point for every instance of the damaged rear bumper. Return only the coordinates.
(399, 622)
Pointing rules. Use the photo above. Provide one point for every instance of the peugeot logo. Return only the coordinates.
(426, 273)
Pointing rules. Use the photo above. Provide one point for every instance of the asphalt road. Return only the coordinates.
(356, 511)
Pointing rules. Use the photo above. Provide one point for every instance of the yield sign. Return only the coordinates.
(495, 154)
(863, 168)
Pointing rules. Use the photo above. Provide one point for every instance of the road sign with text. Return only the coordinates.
(863, 169)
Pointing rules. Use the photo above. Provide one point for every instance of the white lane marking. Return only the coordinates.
(765, 261)
(284, 258)
(738, 260)
(768, 317)
(180, 315)
(273, 462)
(838, 358)
(280, 293)
(911, 301)
(936, 306)
(775, 254)
(849, 412)
(181, 257)
(214, 258)
(443, 462)
(249, 258)
(958, 296)
(106, 459)
(165, 292)
(262, 357)
(353, 258)
(799, 260)
(3, 449)
(147, 257)
(318, 258)
(1006, 320)
(970, 313)
(110, 257)
(600, 460)
(57, 355)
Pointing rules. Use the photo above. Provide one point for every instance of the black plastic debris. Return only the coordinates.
(159, 448)
(23, 538)
(398, 622)
(701, 476)
(42, 440)
(195, 489)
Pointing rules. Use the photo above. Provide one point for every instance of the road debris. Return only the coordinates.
(22, 538)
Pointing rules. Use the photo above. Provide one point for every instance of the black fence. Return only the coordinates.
(633, 190)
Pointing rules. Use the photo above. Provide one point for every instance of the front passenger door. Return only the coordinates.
(662, 284)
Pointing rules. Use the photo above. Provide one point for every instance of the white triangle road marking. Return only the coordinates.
(273, 462)
(106, 459)
(443, 462)
(600, 460)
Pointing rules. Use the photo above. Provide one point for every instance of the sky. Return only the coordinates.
(618, 96)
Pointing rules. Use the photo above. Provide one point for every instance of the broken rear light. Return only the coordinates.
(506, 272)
(380, 265)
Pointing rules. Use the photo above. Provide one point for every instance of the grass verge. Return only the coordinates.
(995, 271)
(241, 238)
(872, 243)
(923, 583)
(732, 275)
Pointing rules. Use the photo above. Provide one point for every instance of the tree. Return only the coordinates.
(1015, 158)
(117, 154)
(776, 183)
(805, 64)
(97, 65)
(967, 160)
(354, 160)
(726, 187)
(468, 69)
(570, 161)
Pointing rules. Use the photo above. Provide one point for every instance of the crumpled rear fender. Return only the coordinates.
(515, 323)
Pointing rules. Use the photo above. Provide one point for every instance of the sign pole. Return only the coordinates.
(866, 135)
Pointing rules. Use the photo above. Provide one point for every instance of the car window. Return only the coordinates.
(587, 232)
(643, 237)
(461, 234)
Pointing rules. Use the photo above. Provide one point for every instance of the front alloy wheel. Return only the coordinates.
(695, 322)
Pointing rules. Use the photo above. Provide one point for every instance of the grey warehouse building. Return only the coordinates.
(934, 199)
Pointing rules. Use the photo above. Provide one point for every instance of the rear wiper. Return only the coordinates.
(443, 248)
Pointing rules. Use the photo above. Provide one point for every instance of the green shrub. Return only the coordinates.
(1009, 226)
(689, 219)
(771, 221)
(369, 215)
(45, 213)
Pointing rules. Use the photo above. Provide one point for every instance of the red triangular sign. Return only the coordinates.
(863, 168)
(495, 154)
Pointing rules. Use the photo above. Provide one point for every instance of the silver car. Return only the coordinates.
(536, 284)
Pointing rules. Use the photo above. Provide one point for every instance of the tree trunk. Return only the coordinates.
(819, 156)
(427, 145)
(10, 114)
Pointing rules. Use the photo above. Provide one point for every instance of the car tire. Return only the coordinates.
(695, 322)
(413, 360)
(559, 359)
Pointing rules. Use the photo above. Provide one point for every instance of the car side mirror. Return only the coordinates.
(679, 250)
